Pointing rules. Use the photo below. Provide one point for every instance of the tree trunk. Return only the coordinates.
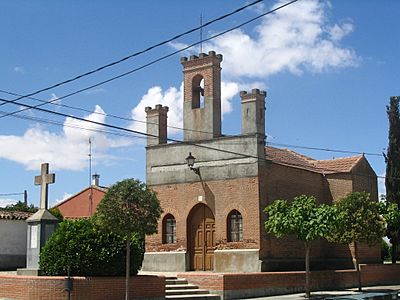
(394, 253)
(128, 267)
(307, 262)
(357, 266)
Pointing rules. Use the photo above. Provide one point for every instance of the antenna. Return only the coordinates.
(90, 160)
(90, 178)
(201, 33)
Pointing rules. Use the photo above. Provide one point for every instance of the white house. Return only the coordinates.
(13, 237)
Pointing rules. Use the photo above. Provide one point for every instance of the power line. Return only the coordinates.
(192, 143)
(185, 129)
(54, 122)
(98, 130)
(149, 63)
(90, 111)
(10, 194)
(137, 53)
(325, 149)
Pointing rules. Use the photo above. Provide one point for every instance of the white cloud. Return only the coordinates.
(65, 196)
(381, 184)
(338, 32)
(19, 69)
(66, 150)
(228, 91)
(4, 202)
(295, 39)
(172, 97)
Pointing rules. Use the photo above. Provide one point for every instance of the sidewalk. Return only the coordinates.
(367, 293)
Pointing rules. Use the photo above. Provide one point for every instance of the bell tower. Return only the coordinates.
(202, 96)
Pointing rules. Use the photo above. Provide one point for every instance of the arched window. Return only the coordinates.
(198, 92)
(235, 227)
(169, 229)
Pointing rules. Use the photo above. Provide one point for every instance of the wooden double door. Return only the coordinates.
(201, 237)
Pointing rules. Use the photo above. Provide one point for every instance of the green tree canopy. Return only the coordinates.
(361, 222)
(303, 218)
(360, 219)
(21, 206)
(392, 156)
(128, 207)
(392, 181)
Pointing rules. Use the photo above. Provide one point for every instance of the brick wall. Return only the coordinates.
(84, 288)
(80, 206)
(282, 182)
(234, 286)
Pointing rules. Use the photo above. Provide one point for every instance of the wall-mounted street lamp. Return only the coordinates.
(190, 160)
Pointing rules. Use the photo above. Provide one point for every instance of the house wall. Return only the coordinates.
(80, 205)
(13, 238)
(283, 182)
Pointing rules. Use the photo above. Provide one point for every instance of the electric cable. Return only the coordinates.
(180, 128)
(192, 143)
(92, 112)
(10, 194)
(138, 53)
(151, 62)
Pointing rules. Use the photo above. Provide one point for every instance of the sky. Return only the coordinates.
(329, 68)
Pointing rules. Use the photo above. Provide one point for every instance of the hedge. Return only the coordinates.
(88, 251)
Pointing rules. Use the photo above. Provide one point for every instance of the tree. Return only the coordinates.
(391, 214)
(392, 158)
(21, 206)
(129, 208)
(360, 222)
(302, 218)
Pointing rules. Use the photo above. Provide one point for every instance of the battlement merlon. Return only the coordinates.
(255, 94)
(159, 109)
(203, 59)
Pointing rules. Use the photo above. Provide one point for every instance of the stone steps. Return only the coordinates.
(179, 288)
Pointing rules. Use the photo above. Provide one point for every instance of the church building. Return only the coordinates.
(213, 188)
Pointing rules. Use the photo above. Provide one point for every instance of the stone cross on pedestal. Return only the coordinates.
(41, 225)
(44, 179)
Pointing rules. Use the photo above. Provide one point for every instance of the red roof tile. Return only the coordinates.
(338, 165)
(14, 215)
(291, 158)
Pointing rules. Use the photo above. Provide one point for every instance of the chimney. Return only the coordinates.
(95, 179)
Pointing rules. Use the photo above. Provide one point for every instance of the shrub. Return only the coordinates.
(88, 251)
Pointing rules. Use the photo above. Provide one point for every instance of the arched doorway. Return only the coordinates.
(201, 232)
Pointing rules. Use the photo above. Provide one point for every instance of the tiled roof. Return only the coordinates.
(293, 159)
(14, 215)
(289, 158)
(338, 165)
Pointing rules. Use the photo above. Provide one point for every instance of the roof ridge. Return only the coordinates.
(339, 158)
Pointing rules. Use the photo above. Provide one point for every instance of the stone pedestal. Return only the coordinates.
(41, 226)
